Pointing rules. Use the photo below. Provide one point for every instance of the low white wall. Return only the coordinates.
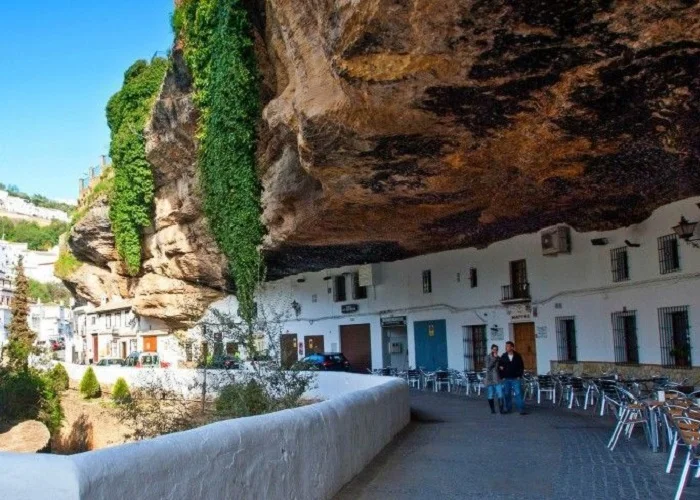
(307, 452)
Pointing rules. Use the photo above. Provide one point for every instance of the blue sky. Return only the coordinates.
(60, 61)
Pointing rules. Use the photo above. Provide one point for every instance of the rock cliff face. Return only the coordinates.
(183, 270)
(398, 127)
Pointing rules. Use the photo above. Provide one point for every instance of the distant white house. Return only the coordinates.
(50, 321)
(38, 265)
(14, 205)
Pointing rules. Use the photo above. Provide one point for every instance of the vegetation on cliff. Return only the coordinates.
(218, 48)
(131, 203)
(66, 264)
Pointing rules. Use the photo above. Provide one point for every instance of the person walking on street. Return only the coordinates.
(511, 368)
(493, 380)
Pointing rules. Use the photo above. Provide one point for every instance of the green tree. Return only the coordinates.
(89, 386)
(59, 377)
(21, 337)
(120, 391)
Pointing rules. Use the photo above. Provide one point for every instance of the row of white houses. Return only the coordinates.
(629, 296)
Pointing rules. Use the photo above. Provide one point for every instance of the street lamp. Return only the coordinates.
(685, 231)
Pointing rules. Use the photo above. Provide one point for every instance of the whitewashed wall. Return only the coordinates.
(308, 452)
(578, 284)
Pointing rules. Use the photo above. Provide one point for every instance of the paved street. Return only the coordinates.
(454, 448)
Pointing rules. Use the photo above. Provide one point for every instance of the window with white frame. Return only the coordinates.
(669, 257)
(427, 282)
(339, 292)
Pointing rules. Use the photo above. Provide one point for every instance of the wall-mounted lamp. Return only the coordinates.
(297, 308)
(685, 231)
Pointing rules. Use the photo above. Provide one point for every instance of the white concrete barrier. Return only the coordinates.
(308, 452)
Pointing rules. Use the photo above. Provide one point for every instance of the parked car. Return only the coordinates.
(145, 360)
(110, 362)
(329, 361)
(57, 344)
(226, 362)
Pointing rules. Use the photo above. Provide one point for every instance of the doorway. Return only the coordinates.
(313, 344)
(431, 344)
(95, 355)
(123, 350)
(356, 346)
(395, 347)
(475, 348)
(525, 344)
(288, 346)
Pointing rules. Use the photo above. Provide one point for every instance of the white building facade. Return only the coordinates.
(113, 330)
(50, 321)
(628, 297)
(38, 265)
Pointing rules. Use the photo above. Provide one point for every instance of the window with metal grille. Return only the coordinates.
(472, 277)
(620, 267)
(624, 326)
(474, 340)
(358, 292)
(427, 282)
(674, 332)
(339, 294)
(566, 338)
(669, 258)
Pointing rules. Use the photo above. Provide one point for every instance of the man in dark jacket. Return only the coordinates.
(512, 368)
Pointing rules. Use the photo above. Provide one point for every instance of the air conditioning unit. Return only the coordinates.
(369, 275)
(556, 240)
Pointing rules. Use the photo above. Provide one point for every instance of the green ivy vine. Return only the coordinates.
(218, 48)
(131, 203)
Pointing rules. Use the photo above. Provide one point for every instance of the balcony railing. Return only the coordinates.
(515, 292)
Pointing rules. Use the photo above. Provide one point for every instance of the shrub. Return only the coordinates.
(29, 395)
(156, 408)
(59, 377)
(243, 400)
(66, 264)
(89, 386)
(120, 391)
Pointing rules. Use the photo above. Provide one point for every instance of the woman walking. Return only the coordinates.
(493, 380)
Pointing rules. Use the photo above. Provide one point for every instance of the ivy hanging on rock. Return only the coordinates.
(131, 202)
(218, 48)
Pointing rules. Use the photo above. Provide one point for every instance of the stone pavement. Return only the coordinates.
(454, 448)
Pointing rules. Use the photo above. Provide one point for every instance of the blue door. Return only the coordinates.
(431, 344)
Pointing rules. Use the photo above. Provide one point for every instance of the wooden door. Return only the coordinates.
(123, 350)
(313, 344)
(524, 338)
(150, 344)
(289, 349)
(355, 344)
(95, 355)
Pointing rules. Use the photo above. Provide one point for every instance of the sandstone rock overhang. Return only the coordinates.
(396, 128)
